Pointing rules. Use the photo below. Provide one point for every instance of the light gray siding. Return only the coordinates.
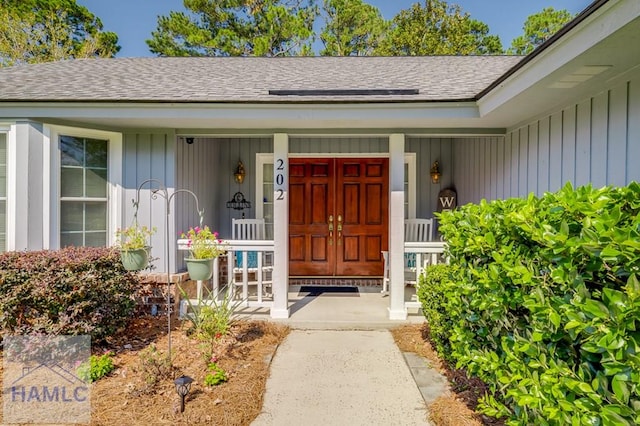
(594, 141)
(338, 145)
(479, 166)
(427, 151)
(206, 167)
(151, 156)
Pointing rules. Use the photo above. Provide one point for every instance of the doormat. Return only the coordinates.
(315, 290)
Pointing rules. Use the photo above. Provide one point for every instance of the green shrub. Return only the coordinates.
(437, 291)
(76, 290)
(550, 303)
(96, 367)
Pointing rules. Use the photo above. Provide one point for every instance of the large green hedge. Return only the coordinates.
(72, 291)
(542, 301)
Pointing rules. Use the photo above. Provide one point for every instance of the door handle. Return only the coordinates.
(339, 229)
(330, 229)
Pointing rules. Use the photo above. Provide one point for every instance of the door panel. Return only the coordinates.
(310, 205)
(362, 199)
(351, 194)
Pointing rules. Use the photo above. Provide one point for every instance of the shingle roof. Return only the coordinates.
(234, 79)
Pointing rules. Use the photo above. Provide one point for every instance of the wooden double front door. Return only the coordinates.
(338, 216)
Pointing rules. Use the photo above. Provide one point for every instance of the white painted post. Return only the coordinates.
(280, 308)
(397, 310)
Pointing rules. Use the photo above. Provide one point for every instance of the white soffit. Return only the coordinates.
(581, 75)
(581, 54)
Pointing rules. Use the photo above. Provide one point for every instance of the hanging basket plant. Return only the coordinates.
(204, 246)
(200, 269)
(133, 243)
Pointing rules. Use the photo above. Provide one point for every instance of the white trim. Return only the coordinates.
(51, 188)
(410, 161)
(281, 226)
(11, 187)
(397, 309)
(261, 159)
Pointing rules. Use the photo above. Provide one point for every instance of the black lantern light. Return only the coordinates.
(239, 173)
(183, 385)
(435, 172)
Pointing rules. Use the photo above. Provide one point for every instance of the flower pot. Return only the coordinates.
(135, 259)
(199, 269)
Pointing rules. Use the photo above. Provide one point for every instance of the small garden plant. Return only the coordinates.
(96, 367)
(154, 366)
(215, 376)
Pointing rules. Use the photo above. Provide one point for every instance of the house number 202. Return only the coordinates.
(279, 179)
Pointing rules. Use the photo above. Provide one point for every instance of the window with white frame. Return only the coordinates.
(3, 192)
(83, 191)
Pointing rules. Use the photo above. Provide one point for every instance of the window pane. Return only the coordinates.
(96, 153)
(71, 182)
(70, 239)
(96, 216)
(71, 151)
(96, 182)
(95, 239)
(71, 216)
(83, 174)
(268, 173)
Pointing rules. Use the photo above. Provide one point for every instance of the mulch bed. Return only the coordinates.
(124, 397)
(457, 407)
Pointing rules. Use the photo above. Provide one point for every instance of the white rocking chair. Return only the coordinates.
(250, 229)
(414, 230)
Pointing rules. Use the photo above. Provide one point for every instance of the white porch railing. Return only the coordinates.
(240, 277)
(427, 253)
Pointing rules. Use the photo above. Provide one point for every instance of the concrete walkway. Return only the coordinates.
(345, 377)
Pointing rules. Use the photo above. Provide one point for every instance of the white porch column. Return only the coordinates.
(280, 307)
(27, 183)
(397, 310)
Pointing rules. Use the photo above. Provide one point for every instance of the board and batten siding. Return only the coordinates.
(427, 151)
(206, 167)
(338, 145)
(595, 141)
(150, 156)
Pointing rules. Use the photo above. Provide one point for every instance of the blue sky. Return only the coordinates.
(134, 20)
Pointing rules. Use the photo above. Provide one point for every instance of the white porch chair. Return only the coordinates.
(416, 230)
(250, 229)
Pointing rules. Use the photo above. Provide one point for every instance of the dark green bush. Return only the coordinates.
(550, 304)
(71, 291)
(438, 292)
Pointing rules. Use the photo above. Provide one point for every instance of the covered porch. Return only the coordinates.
(409, 194)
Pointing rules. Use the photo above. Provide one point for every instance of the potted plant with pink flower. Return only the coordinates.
(204, 246)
